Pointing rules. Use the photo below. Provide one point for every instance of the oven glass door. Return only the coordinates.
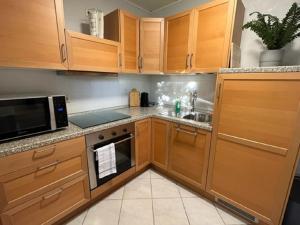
(21, 117)
(123, 157)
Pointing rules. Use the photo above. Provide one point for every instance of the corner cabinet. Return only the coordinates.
(200, 40)
(151, 45)
(160, 143)
(255, 144)
(88, 53)
(32, 34)
(189, 153)
(142, 143)
(123, 27)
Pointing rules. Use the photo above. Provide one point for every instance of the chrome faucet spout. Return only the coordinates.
(193, 99)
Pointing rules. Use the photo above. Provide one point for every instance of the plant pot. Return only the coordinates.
(271, 58)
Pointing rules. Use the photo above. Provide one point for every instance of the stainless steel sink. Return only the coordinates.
(199, 117)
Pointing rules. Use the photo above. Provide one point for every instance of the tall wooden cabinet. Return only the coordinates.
(199, 40)
(123, 27)
(142, 143)
(151, 45)
(188, 155)
(32, 34)
(255, 142)
(160, 142)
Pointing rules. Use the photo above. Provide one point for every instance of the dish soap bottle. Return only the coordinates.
(177, 106)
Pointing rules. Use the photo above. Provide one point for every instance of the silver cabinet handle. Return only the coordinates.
(187, 61)
(120, 59)
(63, 53)
(142, 62)
(191, 60)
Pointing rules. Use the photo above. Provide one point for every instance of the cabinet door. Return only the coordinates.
(189, 152)
(32, 34)
(87, 53)
(160, 142)
(151, 45)
(129, 42)
(178, 40)
(212, 35)
(143, 143)
(255, 142)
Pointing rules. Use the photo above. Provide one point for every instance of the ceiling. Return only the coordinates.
(152, 5)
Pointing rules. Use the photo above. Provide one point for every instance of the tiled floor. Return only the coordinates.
(151, 199)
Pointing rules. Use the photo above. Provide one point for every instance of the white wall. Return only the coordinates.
(251, 45)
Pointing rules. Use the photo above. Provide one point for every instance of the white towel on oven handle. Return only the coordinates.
(106, 157)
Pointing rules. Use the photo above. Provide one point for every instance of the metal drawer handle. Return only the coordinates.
(187, 132)
(55, 196)
(48, 166)
(42, 153)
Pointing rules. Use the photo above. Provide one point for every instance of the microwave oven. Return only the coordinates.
(26, 116)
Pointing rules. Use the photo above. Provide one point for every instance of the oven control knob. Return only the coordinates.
(125, 130)
(100, 137)
(114, 133)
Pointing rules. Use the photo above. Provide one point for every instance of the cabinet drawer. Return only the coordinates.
(42, 156)
(43, 179)
(48, 208)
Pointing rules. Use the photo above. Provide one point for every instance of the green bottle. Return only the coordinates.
(177, 106)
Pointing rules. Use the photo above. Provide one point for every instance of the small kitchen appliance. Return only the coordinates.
(144, 99)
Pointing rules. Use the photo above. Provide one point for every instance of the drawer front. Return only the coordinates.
(48, 208)
(42, 156)
(43, 179)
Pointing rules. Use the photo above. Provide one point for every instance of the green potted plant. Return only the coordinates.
(275, 34)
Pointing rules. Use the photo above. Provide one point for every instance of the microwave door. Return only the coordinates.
(22, 117)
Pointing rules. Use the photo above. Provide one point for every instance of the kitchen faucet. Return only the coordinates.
(193, 98)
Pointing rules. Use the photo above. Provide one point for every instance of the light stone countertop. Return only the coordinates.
(72, 131)
(277, 69)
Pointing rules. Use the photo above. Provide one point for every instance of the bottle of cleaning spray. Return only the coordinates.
(177, 105)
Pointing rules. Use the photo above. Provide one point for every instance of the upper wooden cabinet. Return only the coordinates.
(88, 53)
(199, 40)
(123, 27)
(160, 142)
(188, 156)
(255, 145)
(32, 34)
(178, 41)
(151, 45)
(143, 143)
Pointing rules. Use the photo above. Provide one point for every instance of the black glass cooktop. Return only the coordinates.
(95, 118)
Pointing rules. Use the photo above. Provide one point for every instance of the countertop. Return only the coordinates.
(277, 69)
(72, 131)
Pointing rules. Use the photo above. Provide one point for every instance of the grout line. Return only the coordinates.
(184, 207)
(85, 216)
(153, 217)
(219, 213)
(121, 205)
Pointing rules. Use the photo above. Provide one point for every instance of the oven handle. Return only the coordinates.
(118, 142)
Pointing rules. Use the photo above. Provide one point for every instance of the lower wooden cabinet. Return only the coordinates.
(88, 53)
(143, 143)
(50, 207)
(160, 143)
(255, 142)
(188, 156)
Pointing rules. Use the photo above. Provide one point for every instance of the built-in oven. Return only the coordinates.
(123, 138)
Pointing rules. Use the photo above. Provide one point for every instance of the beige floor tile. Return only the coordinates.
(78, 220)
(186, 193)
(136, 212)
(163, 188)
(118, 194)
(106, 212)
(156, 175)
(145, 175)
(169, 212)
(201, 212)
(138, 188)
(229, 218)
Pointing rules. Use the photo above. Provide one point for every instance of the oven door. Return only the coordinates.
(22, 117)
(124, 148)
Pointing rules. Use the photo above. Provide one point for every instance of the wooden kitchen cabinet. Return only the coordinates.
(88, 53)
(216, 25)
(188, 154)
(178, 42)
(151, 45)
(255, 144)
(160, 143)
(143, 143)
(32, 34)
(123, 27)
